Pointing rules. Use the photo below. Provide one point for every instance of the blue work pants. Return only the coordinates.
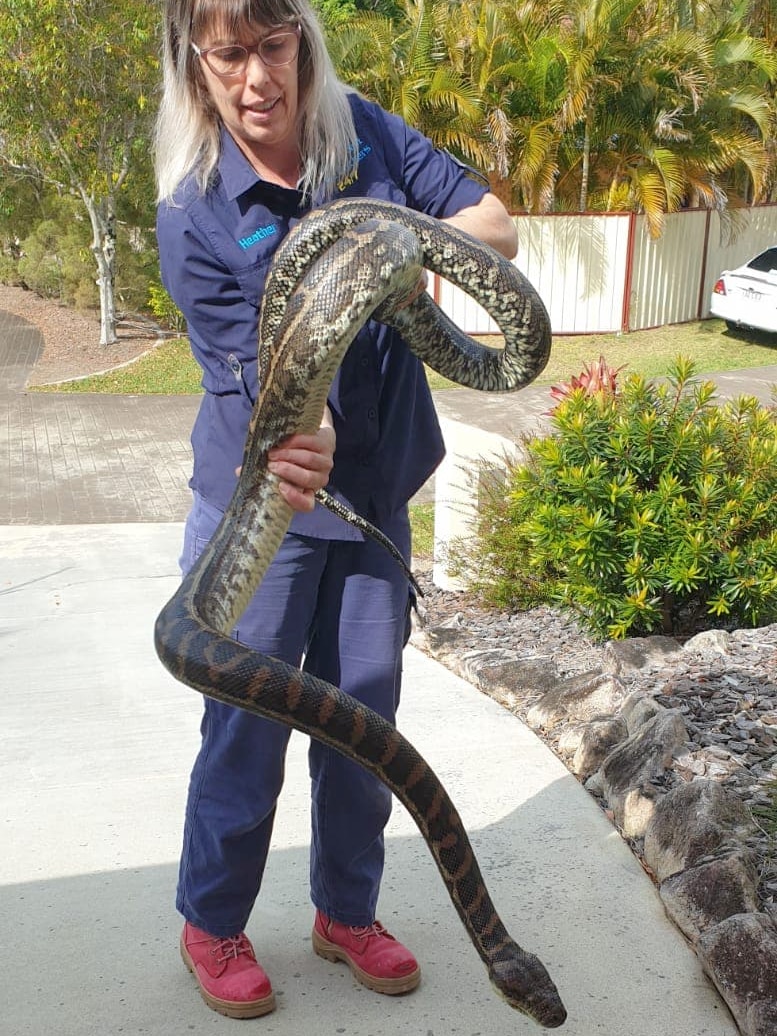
(344, 607)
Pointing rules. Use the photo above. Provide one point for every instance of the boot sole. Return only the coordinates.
(230, 1008)
(390, 986)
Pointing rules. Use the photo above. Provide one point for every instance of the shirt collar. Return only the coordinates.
(237, 173)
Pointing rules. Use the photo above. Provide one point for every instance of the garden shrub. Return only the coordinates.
(55, 260)
(650, 507)
(164, 309)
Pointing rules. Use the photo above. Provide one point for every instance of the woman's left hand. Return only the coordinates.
(420, 287)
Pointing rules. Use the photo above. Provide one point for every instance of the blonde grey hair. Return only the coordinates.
(188, 130)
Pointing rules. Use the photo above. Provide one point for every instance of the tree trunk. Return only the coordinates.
(585, 171)
(502, 188)
(105, 265)
(103, 220)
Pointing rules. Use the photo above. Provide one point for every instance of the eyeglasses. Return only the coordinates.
(274, 51)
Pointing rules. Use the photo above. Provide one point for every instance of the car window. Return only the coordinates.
(764, 262)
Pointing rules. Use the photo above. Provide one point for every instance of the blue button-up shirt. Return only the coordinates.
(215, 250)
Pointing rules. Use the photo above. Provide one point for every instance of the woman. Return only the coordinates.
(254, 130)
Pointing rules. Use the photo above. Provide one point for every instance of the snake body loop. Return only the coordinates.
(335, 270)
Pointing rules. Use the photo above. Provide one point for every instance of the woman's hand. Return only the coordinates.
(303, 464)
(420, 287)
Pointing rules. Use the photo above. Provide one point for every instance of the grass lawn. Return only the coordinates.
(422, 524)
(170, 369)
(708, 342)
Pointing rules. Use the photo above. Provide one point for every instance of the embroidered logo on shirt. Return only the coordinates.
(364, 150)
(258, 235)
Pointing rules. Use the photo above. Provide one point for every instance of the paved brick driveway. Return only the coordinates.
(69, 459)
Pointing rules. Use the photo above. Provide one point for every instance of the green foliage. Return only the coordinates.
(335, 13)
(651, 508)
(136, 264)
(164, 309)
(422, 526)
(76, 83)
(573, 105)
(56, 263)
(400, 62)
(54, 257)
(75, 114)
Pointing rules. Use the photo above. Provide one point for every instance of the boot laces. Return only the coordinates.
(368, 930)
(231, 947)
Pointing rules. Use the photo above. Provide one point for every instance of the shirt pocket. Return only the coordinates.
(251, 279)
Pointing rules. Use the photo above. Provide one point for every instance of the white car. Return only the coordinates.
(747, 296)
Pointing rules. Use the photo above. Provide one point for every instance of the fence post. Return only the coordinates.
(703, 274)
(627, 281)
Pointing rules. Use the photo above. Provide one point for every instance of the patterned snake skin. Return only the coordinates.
(341, 265)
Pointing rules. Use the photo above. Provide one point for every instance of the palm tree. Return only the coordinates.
(739, 109)
(661, 114)
(596, 42)
(506, 53)
(401, 63)
(710, 104)
(573, 104)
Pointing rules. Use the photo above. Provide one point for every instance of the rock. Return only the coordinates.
(762, 1019)
(703, 896)
(710, 640)
(577, 698)
(594, 784)
(505, 676)
(628, 773)
(569, 739)
(740, 956)
(437, 638)
(722, 685)
(624, 656)
(692, 821)
(689, 765)
(637, 709)
(596, 741)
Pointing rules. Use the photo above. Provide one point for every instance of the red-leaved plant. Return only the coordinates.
(595, 377)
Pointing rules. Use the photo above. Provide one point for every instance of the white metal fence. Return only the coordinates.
(599, 272)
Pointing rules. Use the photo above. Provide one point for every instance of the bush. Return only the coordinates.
(56, 262)
(649, 508)
(164, 309)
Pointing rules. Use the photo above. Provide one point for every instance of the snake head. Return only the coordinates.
(522, 980)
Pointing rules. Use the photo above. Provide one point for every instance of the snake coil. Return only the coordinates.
(340, 266)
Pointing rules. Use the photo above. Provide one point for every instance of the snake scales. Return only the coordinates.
(338, 267)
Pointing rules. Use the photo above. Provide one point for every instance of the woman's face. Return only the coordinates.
(260, 106)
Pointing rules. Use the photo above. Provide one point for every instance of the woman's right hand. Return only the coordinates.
(303, 464)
